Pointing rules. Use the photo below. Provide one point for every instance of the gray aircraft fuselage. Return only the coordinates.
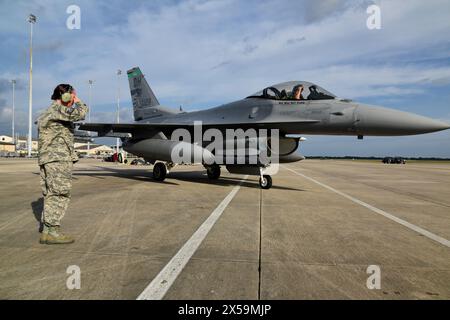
(334, 117)
(317, 112)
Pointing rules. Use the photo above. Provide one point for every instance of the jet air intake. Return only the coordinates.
(287, 150)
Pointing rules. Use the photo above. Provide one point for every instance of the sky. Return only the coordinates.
(199, 54)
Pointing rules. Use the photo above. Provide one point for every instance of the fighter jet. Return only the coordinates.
(315, 111)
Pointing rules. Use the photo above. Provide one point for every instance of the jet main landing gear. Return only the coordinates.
(161, 169)
(213, 172)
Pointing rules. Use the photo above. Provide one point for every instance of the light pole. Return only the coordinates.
(119, 72)
(13, 109)
(32, 21)
(91, 82)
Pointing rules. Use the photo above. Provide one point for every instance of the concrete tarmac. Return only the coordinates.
(309, 237)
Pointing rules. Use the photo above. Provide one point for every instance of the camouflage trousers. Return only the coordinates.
(56, 183)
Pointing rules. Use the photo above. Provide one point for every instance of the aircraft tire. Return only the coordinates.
(213, 172)
(265, 182)
(159, 171)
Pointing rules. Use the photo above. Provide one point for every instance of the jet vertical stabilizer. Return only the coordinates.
(145, 103)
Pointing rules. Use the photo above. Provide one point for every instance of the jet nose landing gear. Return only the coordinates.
(265, 182)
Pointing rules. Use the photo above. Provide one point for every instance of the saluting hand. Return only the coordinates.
(75, 98)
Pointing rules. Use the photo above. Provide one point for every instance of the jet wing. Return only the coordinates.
(124, 129)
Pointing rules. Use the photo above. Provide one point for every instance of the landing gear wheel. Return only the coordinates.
(265, 182)
(159, 171)
(213, 172)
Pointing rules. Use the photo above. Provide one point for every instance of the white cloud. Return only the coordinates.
(198, 52)
(372, 81)
(208, 51)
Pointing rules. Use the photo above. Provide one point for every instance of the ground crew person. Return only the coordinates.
(56, 158)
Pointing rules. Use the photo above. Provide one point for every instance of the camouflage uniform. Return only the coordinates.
(56, 157)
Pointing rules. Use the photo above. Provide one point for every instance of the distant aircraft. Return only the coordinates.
(318, 112)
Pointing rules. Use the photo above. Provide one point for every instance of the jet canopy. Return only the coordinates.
(285, 91)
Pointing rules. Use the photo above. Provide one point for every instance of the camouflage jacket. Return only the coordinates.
(55, 130)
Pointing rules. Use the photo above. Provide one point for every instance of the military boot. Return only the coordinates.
(44, 235)
(55, 236)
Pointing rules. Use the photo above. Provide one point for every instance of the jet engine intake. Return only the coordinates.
(287, 150)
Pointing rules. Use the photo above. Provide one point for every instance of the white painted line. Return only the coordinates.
(411, 226)
(167, 276)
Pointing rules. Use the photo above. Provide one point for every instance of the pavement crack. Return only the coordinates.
(260, 243)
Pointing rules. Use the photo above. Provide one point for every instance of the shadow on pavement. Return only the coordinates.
(188, 176)
(37, 207)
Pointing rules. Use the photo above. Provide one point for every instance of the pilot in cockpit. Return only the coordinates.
(297, 92)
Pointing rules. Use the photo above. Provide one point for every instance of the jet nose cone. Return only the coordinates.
(420, 124)
(383, 121)
(435, 125)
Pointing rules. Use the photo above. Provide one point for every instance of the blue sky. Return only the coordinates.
(200, 54)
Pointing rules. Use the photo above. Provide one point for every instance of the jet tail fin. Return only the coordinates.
(145, 103)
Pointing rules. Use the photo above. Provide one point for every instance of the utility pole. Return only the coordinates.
(13, 109)
(32, 21)
(119, 72)
(91, 82)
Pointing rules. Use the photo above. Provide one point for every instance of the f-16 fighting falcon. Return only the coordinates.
(292, 108)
